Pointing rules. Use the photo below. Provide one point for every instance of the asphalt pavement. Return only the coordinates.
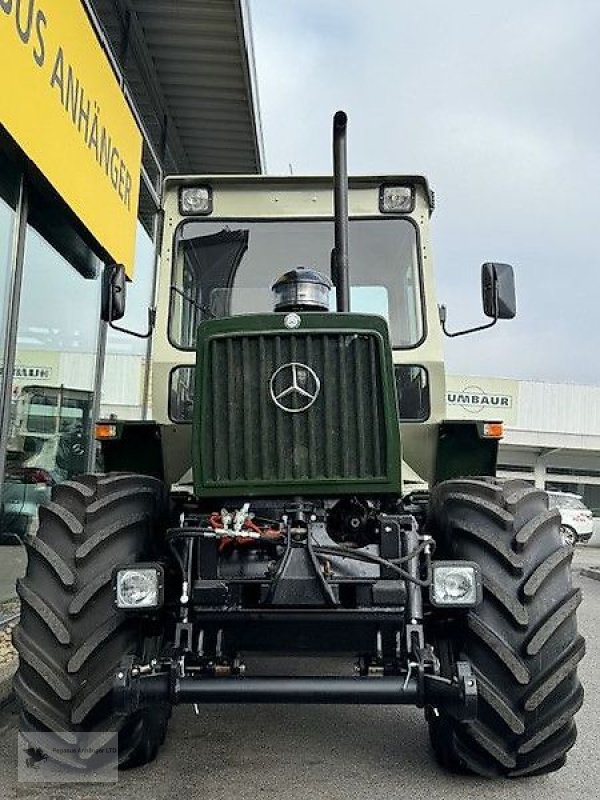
(586, 556)
(13, 560)
(321, 753)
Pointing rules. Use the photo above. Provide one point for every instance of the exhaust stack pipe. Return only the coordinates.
(339, 260)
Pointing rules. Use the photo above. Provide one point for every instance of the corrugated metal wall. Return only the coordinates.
(559, 408)
(530, 405)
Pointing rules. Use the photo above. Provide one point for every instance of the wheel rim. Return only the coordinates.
(568, 535)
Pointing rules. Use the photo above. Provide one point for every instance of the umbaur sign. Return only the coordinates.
(475, 399)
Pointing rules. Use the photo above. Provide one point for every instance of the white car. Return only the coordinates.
(577, 521)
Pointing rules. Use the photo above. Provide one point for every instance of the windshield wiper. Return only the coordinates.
(200, 306)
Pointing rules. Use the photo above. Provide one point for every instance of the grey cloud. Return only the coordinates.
(496, 103)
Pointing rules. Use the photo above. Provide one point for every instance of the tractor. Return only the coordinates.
(299, 491)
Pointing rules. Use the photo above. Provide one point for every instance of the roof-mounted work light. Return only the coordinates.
(196, 201)
(396, 199)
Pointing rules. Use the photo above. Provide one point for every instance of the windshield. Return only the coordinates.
(221, 269)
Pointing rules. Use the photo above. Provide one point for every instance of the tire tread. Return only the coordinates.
(70, 638)
(522, 641)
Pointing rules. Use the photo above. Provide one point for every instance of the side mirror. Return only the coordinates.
(498, 291)
(498, 296)
(114, 283)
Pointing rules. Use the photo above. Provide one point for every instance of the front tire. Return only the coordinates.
(71, 638)
(522, 641)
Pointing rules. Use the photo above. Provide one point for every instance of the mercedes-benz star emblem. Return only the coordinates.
(292, 320)
(294, 387)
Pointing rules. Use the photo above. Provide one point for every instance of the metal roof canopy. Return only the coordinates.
(189, 67)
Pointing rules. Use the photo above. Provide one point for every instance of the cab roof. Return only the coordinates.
(354, 181)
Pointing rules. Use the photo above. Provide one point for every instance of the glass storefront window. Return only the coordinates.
(125, 364)
(52, 384)
(6, 231)
(9, 188)
(7, 218)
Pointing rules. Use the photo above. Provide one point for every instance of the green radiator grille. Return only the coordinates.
(332, 426)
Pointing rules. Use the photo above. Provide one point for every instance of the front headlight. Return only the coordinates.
(455, 584)
(139, 587)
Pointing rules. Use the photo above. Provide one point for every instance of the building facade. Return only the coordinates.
(552, 430)
(184, 73)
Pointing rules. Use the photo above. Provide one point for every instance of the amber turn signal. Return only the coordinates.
(105, 430)
(493, 430)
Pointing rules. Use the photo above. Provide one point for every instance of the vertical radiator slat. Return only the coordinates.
(218, 454)
(373, 360)
(264, 425)
(327, 433)
(230, 411)
(247, 424)
(312, 420)
(361, 386)
(279, 455)
(343, 410)
(294, 455)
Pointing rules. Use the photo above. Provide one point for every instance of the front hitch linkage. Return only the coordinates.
(137, 687)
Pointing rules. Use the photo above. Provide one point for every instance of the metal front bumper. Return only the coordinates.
(459, 695)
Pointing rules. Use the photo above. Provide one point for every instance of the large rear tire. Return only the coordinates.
(71, 638)
(522, 641)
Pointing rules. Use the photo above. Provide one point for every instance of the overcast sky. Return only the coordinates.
(497, 103)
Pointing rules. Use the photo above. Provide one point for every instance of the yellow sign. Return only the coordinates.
(61, 102)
